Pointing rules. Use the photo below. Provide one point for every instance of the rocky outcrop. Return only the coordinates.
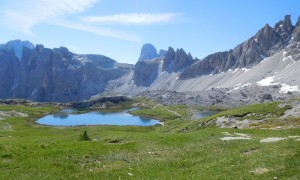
(176, 61)
(145, 73)
(17, 47)
(161, 52)
(168, 60)
(264, 43)
(9, 72)
(102, 100)
(58, 75)
(296, 33)
(148, 52)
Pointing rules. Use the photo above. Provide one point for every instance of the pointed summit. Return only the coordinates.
(148, 52)
(298, 22)
(296, 33)
(284, 27)
(17, 47)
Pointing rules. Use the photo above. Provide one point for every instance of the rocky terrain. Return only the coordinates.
(149, 52)
(263, 68)
(56, 75)
(17, 47)
(265, 43)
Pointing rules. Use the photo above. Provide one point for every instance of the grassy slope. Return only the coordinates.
(38, 152)
(261, 111)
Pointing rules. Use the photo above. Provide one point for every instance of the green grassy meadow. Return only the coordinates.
(32, 151)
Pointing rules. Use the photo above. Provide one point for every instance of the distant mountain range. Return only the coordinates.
(42, 74)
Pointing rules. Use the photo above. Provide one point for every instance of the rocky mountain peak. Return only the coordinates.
(298, 22)
(182, 60)
(168, 60)
(64, 51)
(148, 52)
(161, 52)
(176, 61)
(284, 27)
(190, 56)
(265, 43)
(296, 33)
(267, 27)
(17, 47)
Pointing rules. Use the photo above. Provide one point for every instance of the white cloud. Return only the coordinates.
(133, 18)
(98, 30)
(23, 15)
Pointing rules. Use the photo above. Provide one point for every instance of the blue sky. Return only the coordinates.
(118, 28)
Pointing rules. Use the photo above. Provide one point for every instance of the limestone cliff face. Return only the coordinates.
(16, 46)
(148, 52)
(55, 74)
(147, 67)
(266, 42)
(43, 74)
(145, 72)
(176, 61)
(296, 33)
(9, 72)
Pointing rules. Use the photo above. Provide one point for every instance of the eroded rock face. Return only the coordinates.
(148, 52)
(176, 61)
(168, 60)
(145, 73)
(17, 46)
(266, 42)
(55, 75)
(296, 33)
(9, 72)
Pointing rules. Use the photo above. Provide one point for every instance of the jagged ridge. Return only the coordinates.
(264, 43)
(55, 74)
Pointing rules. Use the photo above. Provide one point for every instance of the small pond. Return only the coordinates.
(72, 117)
(203, 114)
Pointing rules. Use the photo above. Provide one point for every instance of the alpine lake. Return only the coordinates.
(79, 117)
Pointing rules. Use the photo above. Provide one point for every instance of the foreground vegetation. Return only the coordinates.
(32, 151)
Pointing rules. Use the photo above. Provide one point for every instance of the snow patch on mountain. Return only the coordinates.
(267, 81)
(286, 88)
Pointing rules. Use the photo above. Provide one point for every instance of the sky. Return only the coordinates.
(119, 28)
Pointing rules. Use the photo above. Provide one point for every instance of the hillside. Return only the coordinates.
(58, 75)
(266, 63)
(269, 60)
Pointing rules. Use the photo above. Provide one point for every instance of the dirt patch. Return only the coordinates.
(272, 139)
(294, 137)
(294, 112)
(13, 113)
(235, 136)
(227, 134)
(260, 170)
(232, 122)
(242, 135)
(275, 139)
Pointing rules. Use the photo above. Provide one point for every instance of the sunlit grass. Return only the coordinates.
(31, 151)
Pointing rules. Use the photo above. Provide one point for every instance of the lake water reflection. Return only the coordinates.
(71, 117)
(203, 114)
